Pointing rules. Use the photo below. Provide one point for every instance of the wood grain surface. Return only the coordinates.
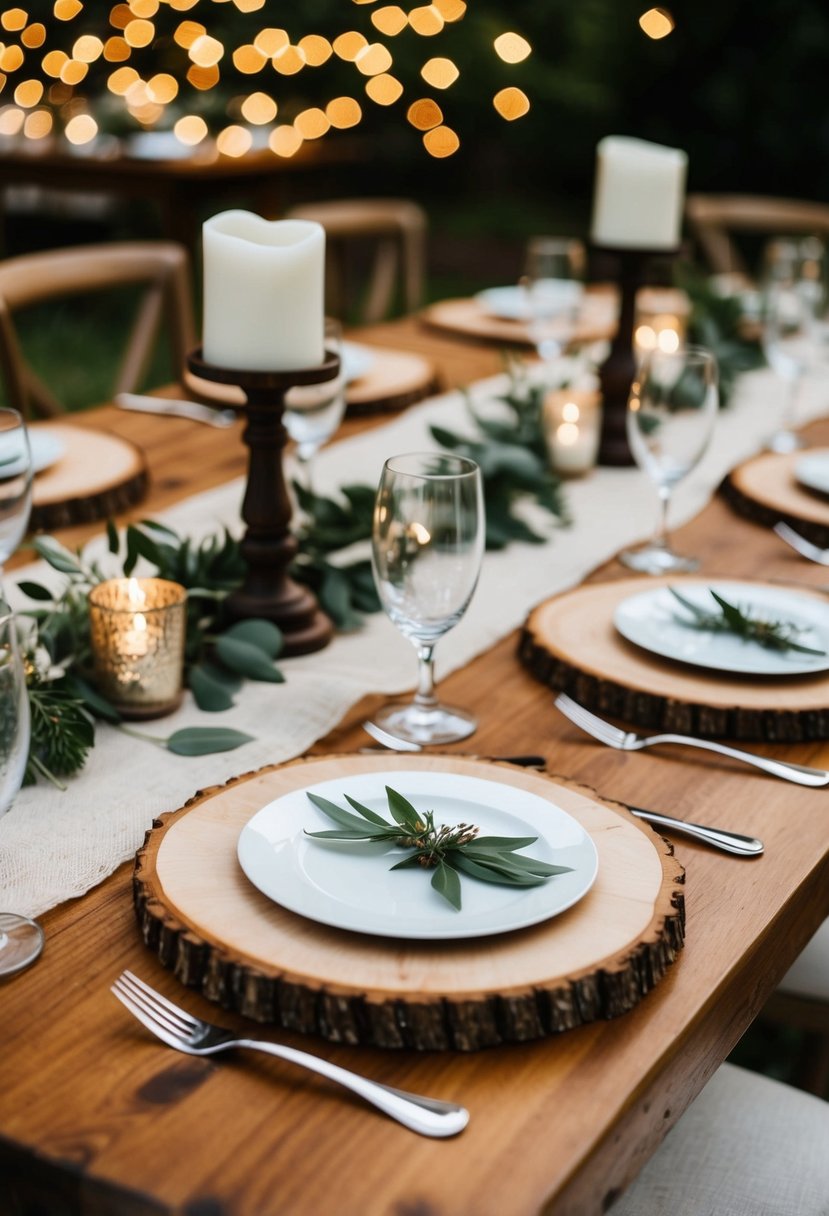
(98, 475)
(97, 1118)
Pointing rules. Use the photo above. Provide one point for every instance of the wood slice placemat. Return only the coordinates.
(97, 476)
(571, 643)
(469, 318)
(203, 918)
(765, 490)
(394, 380)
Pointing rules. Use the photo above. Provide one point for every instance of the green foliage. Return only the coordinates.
(717, 323)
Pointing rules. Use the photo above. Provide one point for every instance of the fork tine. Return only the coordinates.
(189, 1021)
(146, 1019)
(172, 1024)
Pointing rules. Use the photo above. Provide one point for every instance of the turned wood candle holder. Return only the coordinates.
(619, 368)
(269, 546)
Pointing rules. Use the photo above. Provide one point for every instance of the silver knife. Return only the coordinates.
(194, 410)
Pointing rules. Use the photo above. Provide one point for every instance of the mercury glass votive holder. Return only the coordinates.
(138, 628)
(572, 429)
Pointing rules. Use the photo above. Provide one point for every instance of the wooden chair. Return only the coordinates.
(714, 220)
(31, 279)
(801, 1000)
(375, 255)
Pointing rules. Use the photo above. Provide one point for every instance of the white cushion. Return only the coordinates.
(748, 1146)
(809, 974)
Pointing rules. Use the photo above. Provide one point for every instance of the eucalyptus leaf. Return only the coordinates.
(264, 635)
(247, 659)
(446, 882)
(209, 693)
(205, 740)
(57, 555)
(35, 591)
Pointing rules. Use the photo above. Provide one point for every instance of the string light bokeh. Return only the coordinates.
(217, 77)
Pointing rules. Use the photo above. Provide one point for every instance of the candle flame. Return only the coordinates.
(567, 434)
(135, 594)
(570, 412)
(139, 623)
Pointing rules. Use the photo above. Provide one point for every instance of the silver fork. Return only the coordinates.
(804, 547)
(629, 741)
(179, 1029)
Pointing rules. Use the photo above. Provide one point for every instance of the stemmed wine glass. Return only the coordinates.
(794, 304)
(672, 407)
(553, 284)
(427, 545)
(21, 939)
(313, 412)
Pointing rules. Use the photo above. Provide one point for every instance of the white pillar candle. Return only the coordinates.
(264, 292)
(638, 195)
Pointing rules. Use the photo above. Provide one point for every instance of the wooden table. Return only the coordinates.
(95, 1117)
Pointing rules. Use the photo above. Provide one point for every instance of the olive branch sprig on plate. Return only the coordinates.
(773, 634)
(447, 851)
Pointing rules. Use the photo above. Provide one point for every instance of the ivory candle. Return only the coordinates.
(638, 195)
(264, 292)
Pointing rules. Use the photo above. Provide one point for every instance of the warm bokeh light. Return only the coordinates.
(511, 103)
(512, 48)
(427, 20)
(384, 90)
(284, 141)
(146, 63)
(81, 129)
(191, 129)
(424, 114)
(439, 73)
(441, 142)
(259, 109)
(343, 112)
(312, 123)
(389, 20)
(657, 23)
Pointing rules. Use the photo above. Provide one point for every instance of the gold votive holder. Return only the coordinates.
(572, 428)
(138, 628)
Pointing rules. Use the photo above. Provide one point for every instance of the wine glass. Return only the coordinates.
(672, 406)
(553, 284)
(427, 544)
(793, 323)
(313, 412)
(21, 939)
(15, 482)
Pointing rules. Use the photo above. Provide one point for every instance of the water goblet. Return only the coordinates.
(313, 412)
(553, 284)
(15, 482)
(427, 545)
(672, 408)
(794, 333)
(21, 939)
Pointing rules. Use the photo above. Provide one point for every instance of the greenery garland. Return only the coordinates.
(219, 655)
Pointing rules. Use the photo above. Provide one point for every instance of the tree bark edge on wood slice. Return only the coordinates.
(361, 1017)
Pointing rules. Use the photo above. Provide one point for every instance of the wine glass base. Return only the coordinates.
(414, 724)
(783, 442)
(21, 941)
(655, 559)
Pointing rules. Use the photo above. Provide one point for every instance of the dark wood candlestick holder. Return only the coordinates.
(269, 546)
(619, 368)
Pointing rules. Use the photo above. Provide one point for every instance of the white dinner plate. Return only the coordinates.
(510, 303)
(350, 884)
(357, 360)
(812, 471)
(46, 448)
(652, 620)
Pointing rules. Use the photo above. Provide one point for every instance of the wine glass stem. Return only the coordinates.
(661, 537)
(425, 696)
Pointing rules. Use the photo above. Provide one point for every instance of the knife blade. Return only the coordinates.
(195, 411)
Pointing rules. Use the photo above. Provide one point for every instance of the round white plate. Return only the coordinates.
(350, 885)
(46, 449)
(356, 360)
(812, 471)
(650, 620)
(506, 303)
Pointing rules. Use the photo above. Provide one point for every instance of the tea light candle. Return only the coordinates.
(572, 419)
(138, 628)
(639, 194)
(661, 320)
(264, 292)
